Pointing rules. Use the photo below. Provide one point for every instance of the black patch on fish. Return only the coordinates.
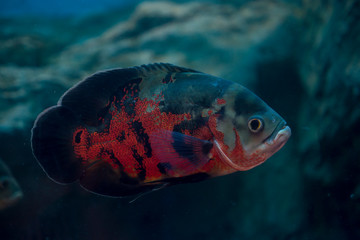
(221, 113)
(167, 78)
(104, 111)
(206, 148)
(246, 103)
(121, 137)
(190, 125)
(139, 159)
(142, 137)
(78, 137)
(164, 167)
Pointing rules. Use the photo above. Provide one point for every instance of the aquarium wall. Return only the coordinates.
(301, 57)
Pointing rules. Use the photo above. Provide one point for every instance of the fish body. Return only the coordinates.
(127, 131)
(10, 191)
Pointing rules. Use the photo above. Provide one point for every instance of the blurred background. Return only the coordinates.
(301, 56)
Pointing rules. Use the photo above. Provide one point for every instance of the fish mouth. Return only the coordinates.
(279, 127)
(277, 139)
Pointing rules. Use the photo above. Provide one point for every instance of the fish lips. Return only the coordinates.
(277, 139)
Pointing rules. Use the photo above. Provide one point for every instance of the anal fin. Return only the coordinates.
(102, 179)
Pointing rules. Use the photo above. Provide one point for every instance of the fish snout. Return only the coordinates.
(275, 143)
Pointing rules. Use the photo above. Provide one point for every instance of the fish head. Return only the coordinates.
(10, 191)
(248, 131)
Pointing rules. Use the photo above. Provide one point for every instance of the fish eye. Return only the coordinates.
(255, 125)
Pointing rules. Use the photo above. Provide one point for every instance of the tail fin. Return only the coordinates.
(51, 142)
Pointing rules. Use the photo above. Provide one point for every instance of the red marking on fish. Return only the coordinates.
(120, 127)
(221, 101)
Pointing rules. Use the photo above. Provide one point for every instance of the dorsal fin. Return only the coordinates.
(165, 67)
(91, 95)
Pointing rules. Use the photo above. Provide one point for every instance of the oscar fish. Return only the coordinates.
(128, 131)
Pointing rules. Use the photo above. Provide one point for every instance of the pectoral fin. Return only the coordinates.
(180, 154)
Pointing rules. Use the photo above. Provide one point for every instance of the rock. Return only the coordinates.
(329, 118)
(25, 92)
(22, 50)
(203, 36)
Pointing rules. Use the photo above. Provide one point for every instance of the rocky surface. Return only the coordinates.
(302, 57)
(329, 118)
(197, 35)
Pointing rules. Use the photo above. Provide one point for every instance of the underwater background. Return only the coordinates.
(302, 57)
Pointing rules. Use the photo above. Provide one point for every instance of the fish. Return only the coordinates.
(128, 131)
(10, 191)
